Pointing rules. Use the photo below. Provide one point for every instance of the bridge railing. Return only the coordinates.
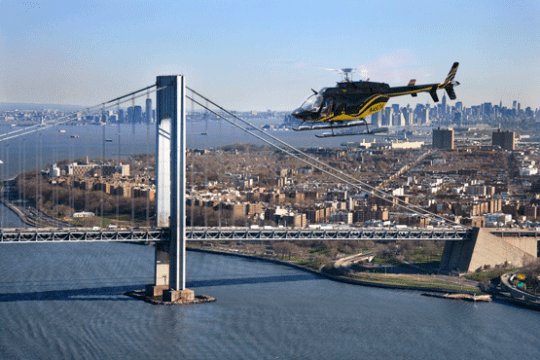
(211, 234)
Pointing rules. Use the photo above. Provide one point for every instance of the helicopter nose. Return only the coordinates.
(299, 113)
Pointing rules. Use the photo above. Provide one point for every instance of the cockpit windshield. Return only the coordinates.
(312, 103)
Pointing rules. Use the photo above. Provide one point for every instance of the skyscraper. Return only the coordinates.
(148, 112)
(443, 104)
(137, 114)
(129, 115)
(376, 119)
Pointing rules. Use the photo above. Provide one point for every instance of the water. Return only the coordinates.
(48, 146)
(65, 301)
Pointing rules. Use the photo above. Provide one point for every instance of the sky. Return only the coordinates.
(259, 55)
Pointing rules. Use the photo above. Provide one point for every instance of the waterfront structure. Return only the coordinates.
(443, 139)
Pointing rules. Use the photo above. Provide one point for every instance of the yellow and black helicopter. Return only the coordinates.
(347, 104)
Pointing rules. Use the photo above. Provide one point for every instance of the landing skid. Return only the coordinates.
(330, 125)
(332, 134)
(342, 125)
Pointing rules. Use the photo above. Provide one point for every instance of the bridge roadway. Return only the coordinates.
(33, 235)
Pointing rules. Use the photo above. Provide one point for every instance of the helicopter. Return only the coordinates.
(347, 104)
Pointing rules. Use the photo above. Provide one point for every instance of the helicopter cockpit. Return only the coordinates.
(311, 103)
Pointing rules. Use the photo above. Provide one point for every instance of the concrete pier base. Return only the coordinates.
(156, 290)
(186, 295)
(488, 249)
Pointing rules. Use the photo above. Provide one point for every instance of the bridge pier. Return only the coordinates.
(170, 271)
(161, 271)
(487, 248)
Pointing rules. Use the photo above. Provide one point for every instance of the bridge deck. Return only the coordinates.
(210, 234)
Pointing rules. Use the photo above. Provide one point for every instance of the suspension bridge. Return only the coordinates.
(464, 249)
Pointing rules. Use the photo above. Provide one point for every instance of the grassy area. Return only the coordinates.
(419, 257)
(375, 278)
(386, 260)
(487, 275)
(402, 281)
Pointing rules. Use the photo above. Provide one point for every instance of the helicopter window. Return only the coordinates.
(312, 103)
(327, 107)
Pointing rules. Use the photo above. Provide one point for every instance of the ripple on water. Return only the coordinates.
(65, 301)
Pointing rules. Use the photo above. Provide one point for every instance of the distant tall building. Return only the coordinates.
(443, 109)
(387, 116)
(443, 139)
(148, 112)
(129, 118)
(137, 114)
(376, 119)
(120, 115)
(505, 139)
(424, 120)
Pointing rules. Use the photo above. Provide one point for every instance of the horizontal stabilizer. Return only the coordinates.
(450, 91)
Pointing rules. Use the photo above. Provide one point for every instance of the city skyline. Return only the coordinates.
(258, 56)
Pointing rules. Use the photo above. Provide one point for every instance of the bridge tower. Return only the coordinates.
(170, 271)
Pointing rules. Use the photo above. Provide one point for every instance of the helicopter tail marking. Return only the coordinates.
(449, 82)
(451, 75)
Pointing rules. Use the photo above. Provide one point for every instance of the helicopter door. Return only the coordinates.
(327, 107)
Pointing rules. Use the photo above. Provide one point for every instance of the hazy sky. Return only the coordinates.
(258, 55)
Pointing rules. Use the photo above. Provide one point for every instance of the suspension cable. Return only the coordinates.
(375, 192)
(382, 194)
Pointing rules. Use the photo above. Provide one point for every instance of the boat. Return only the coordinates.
(74, 136)
(204, 133)
(108, 140)
(62, 131)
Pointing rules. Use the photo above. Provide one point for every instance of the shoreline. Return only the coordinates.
(341, 279)
(436, 292)
(18, 212)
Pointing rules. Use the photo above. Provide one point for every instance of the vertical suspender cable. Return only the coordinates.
(220, 162)
(206, 114)
(102, 180)
(40, 168)
(24, 172)
(192, 199)
(2, 183)
(147, 164)
(132, 192)
(71, 205)
(116, 188)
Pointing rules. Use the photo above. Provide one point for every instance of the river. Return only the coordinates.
(65, 301)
